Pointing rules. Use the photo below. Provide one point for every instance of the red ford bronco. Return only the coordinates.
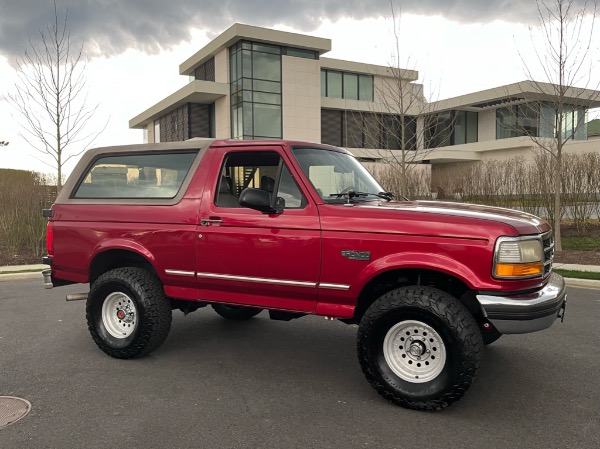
(298, 229)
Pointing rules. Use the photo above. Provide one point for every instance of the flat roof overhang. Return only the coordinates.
(517, 93)
(204, 92)
(370, 69)
(238, 32)
(445, 156)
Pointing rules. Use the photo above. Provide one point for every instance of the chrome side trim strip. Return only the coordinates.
(230, 277)
(181, 273)
(334, 286)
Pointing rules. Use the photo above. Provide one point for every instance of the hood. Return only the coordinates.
(523, 222)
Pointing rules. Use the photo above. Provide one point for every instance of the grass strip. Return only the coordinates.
(578, 274)
(587, 243)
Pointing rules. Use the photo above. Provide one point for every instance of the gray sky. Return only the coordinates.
(457, 46)
(109, 27)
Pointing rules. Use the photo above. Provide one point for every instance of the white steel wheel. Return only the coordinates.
(414, 351)
(119, 315)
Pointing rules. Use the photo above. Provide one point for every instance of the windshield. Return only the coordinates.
(334, 175)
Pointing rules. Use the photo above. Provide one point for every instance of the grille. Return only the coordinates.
(548, 243)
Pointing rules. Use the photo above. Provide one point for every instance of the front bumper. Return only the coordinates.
(530, 312)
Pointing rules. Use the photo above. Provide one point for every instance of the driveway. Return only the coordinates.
(269, 384)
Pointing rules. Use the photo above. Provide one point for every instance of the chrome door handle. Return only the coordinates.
(209, 221)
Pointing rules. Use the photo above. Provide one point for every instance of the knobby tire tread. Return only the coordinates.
(155, 324)
(447, 308)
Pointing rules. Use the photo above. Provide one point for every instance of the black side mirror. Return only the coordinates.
(259, 200)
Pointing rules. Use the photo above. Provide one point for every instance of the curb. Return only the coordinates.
(21, 276)
(582, 283)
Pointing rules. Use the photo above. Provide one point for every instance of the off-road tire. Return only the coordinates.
(452, 323)
(236, 313)
(152, 312)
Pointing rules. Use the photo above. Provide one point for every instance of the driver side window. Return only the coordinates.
(257, 170)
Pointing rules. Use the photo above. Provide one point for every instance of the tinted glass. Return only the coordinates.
(334, 84)
(350, 86)
(136, 176)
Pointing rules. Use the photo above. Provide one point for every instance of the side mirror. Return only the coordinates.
(258, 199)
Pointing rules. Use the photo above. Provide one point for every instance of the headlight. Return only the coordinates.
(518, 257)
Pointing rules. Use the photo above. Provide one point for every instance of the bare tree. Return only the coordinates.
(51, 96)
(564, 58)
(402, 127)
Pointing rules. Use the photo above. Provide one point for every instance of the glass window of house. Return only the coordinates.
(460, 128)
(528, 118)
(274, 49)
(267, 120)
(262, 97)
(266, 86)
(300, 53)
(247, 63)
(365, 87)
(547, 121)
(266, 66)
(472, 125)
(323, 83)
(334, 84)
(350, 86)
(581, 124)
(438, 129)
(506, 123)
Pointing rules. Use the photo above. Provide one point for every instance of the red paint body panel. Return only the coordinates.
(289, 261)
(249, 243)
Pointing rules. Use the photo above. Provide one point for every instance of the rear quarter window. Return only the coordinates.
(136, 176)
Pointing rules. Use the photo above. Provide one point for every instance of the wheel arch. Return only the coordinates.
(109, 259)
(400, 277)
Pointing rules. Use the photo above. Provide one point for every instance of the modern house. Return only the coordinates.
(257, 83)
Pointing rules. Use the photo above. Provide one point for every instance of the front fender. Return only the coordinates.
(422, 261)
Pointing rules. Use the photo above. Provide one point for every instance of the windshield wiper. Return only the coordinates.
(389, 196)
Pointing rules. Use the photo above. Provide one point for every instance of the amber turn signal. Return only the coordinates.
(519, 269)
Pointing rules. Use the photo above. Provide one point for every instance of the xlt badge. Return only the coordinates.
(356, 255)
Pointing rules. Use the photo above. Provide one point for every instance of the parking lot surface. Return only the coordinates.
(269, 384)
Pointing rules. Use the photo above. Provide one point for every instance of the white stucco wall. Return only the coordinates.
(222, 105)
(301, 99)
(486, 127)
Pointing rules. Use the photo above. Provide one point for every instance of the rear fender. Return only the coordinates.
(122, 245)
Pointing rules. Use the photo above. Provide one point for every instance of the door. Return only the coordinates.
(252, 258)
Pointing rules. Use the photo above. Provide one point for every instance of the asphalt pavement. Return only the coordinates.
(268, 384)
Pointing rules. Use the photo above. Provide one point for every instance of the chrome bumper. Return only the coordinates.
(531, 312)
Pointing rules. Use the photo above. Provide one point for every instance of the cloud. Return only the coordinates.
(109, 27)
